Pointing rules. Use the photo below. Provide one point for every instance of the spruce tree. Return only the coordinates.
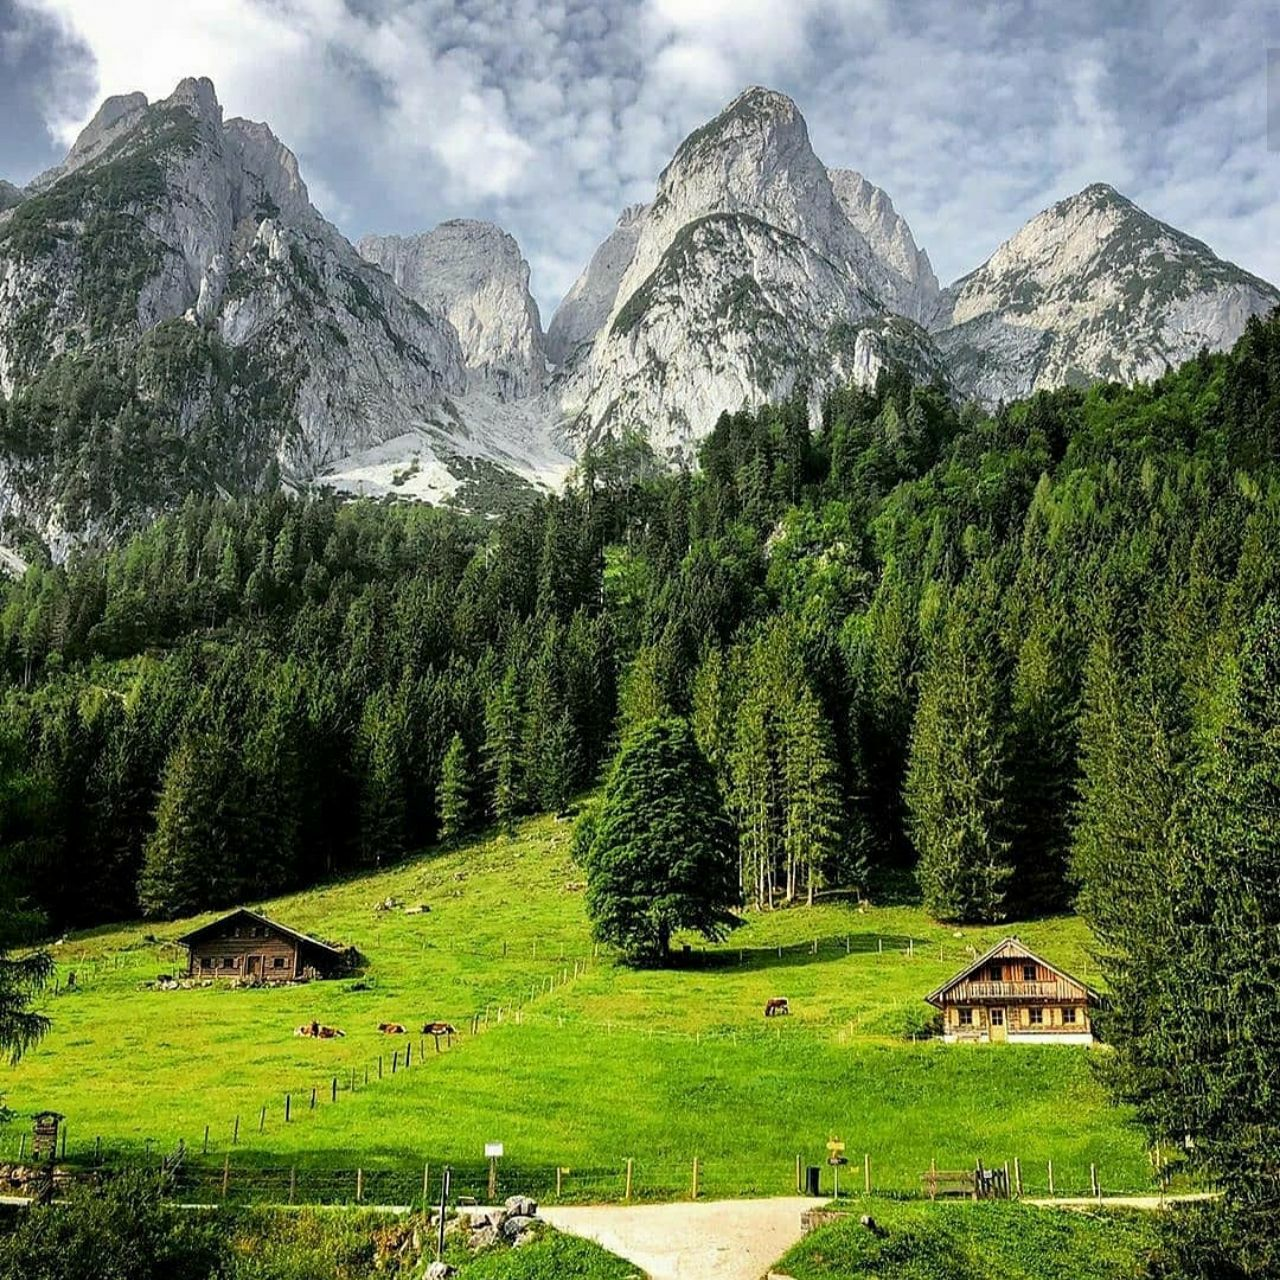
(454, 810)
(504, 763)
(662, 856)
(956, 776)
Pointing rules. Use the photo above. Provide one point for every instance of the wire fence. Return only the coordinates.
(240, 1180)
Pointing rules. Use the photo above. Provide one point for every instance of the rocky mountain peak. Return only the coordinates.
(1092, 287)
(474, 274)
(912, 287)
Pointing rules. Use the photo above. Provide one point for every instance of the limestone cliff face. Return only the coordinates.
(1092, 288)
(475, 275)
(590, 302)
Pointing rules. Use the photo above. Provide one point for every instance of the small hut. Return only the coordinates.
(252, 948)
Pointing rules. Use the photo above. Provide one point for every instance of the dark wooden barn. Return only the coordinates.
(252, 948)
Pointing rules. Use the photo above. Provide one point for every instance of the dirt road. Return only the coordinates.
(718, 1240)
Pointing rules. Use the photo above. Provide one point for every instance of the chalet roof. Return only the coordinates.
(1010, 948)
(243, 913)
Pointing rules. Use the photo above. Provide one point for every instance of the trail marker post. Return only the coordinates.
(835, 1159)
(493, 1152)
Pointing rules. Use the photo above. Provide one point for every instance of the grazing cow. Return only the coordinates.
(776, 1006)
(391, 1028)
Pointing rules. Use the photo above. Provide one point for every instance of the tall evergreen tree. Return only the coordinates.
(957, 774)
(661, 857)
(455, 791)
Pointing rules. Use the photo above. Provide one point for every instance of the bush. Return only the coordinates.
(116, 1231)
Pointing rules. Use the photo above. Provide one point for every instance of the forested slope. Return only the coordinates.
(900, 638)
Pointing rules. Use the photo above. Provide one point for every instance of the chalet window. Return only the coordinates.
(996, 973)
(1037, 1017)
(236, 931)
(206, 962)
(997, 1017)
(1028, 973)
(1068, 1015)
(277, 962)
(966, 1017)
(229, 962)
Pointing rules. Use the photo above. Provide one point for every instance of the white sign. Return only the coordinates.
(493, 1150)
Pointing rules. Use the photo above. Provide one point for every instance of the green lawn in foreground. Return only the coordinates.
(989, 1241)
(611, 1064)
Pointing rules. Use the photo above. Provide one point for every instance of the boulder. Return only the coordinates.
(522, 1206)
(516, 1225)
(440, 1271)
(483, 1238)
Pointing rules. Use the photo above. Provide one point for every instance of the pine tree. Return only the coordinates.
(454, 809)
(662, 854)
(504, 765)
(811, 836)
(956, 776)
(183, 866)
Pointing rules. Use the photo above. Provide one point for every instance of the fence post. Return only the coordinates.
(1017, 1176)
(235, 1132)
(559, 1175)
(1093, 1179)
(379, 1067)
(799, 1183)
(1050, 1179)
(628, 1195)
(226, 1173)
(288, 1106)
(426, 1187)
(866, 1173)
(313, 1097)
(204, 1152)
(695, 1178)
(97, 1146)
(333, 1093)
(359, 1185)
(262, 1119)
(293, 1183)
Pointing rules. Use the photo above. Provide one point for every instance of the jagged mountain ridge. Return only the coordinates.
(418, 365)
(166, 215)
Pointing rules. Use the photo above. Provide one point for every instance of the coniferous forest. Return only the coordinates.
(1032, 655)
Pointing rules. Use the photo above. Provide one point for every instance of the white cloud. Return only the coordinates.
(549, 115)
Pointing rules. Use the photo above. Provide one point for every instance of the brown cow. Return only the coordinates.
(315, 1030)
(439, 1029)
(392, 1028)
(778, 1005)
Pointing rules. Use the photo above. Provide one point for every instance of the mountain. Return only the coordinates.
(743, 279)
(475, 274)
(175, 272)
(1092, 288)
(175, 315)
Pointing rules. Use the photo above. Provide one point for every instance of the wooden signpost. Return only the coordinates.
(835, 1158)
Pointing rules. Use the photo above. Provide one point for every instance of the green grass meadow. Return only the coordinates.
(579, 1064)
(992, 1241)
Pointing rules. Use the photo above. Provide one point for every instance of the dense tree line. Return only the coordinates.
(887, 636)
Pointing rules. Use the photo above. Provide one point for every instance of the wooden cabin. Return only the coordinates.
(247, 946)
(1011, 994)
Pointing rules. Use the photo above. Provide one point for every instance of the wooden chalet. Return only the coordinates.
(1010, 993)
(251, 948)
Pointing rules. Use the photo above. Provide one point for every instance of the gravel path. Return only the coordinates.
(716, 1240)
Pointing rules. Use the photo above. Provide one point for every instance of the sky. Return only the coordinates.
(549, 116)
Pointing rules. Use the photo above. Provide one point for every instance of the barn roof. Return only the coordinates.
(243, 913)
(1011, 947)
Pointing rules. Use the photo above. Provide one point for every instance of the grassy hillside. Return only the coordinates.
(974, 1242)
(579, 1063)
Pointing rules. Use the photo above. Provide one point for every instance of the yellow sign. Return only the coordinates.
(835, 1147)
